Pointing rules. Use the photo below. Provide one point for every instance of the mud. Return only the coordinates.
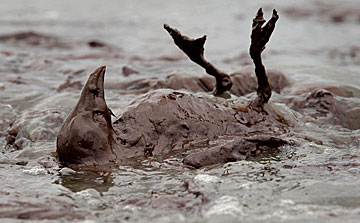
(128, 71)
(161, 122)
(331, 108)
(33, 39)
(244, 83)
(314, 178)
(328, 12)
(28, 211)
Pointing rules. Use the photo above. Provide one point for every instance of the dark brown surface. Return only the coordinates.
(85, 136)
(164, 122)
(160, 124)
(33, 39)
(259, 37)
(194, 49)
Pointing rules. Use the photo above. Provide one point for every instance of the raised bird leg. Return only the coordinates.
(259, 37)
(194, 49)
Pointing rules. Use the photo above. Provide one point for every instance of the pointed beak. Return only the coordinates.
(95, 83)
(92, 95)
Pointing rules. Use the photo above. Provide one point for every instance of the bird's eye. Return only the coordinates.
(97, 112)
(99, 116)
(95, 91)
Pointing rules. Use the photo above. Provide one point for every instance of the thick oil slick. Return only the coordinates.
(315, 46)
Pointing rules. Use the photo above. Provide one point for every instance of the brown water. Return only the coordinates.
(313, 44)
